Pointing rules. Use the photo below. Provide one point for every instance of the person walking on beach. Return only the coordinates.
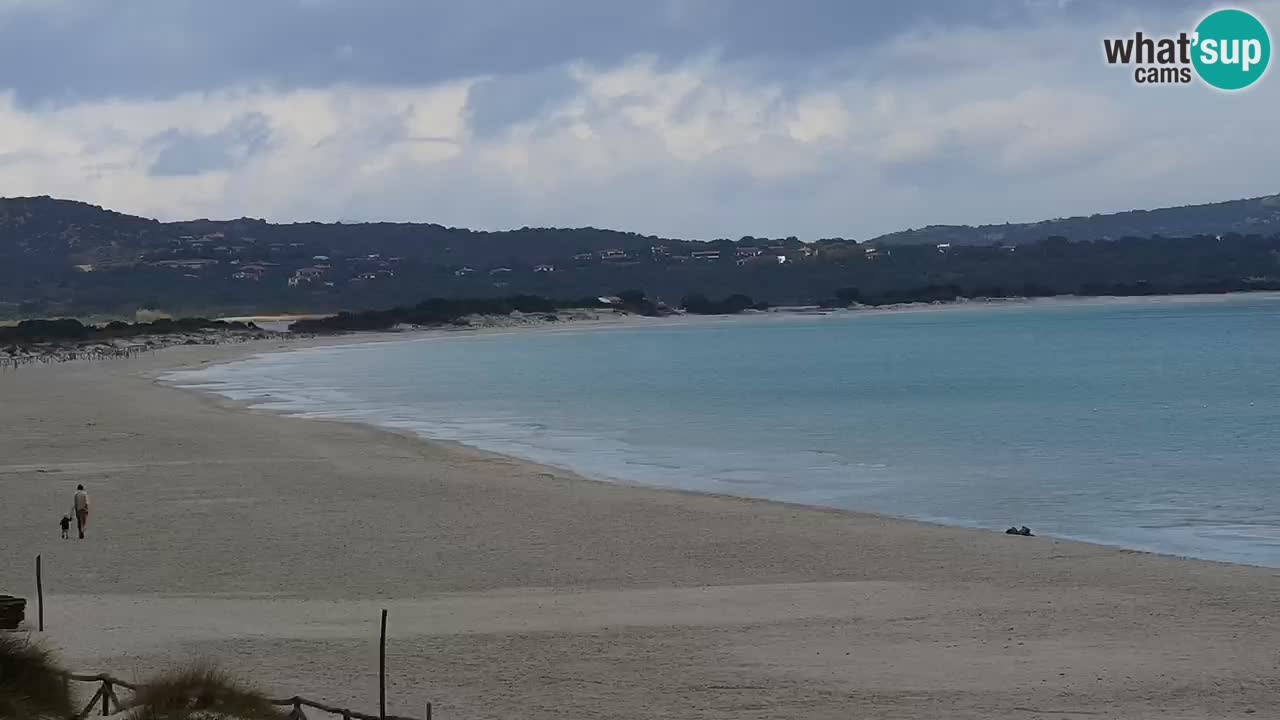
(81, 507)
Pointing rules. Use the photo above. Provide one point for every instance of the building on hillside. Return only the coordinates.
(306, 276)
(199, 264)
(762, 259)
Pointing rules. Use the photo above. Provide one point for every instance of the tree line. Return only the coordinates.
(28, 332)
(437, 312)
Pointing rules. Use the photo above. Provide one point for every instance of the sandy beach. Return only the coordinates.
(271, 544)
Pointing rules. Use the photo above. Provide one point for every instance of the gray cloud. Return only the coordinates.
(82, 49)
(180, 152)
(700, 118)
(499, 102)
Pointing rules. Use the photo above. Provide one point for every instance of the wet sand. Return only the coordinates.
(271, 544)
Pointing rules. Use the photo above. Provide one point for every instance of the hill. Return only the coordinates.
(61, 257)
(1253, 215)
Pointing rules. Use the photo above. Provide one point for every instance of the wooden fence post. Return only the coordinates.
(382, 669)
(40, 593)
(106, 698)
(93, 702)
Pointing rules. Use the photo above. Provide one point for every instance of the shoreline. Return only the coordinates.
(240, 350)
(269, 542)
(553, 470)
(634, 321)
(275, 326)
(231, 353)
(360, 337)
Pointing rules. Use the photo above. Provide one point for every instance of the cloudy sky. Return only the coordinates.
(690, 118)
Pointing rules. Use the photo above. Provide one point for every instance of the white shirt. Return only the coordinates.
(82, 501)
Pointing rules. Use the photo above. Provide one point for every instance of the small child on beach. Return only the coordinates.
(66, 527)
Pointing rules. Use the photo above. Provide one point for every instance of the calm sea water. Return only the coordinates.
(1145, 424)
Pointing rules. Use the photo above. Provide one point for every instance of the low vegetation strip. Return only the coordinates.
(34, 686)
(69, 329)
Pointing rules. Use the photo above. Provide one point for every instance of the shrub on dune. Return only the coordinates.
(200, 693)
(32, 685)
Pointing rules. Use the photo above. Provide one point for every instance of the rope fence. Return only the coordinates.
(106, 703)
(61, 355)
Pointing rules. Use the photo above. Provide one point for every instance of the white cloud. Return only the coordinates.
(938, 125)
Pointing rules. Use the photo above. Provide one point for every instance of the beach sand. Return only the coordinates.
(271, 544)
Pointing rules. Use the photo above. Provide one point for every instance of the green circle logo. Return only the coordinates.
(1232, 49)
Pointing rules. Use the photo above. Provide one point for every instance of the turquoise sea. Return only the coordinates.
(1149, 424)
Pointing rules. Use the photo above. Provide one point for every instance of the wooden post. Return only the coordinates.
(92, 702)
(382, 670)
(40, 593)
(106, 698)
(115, 699)
(428, 711)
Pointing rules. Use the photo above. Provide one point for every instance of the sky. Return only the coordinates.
(682, 118)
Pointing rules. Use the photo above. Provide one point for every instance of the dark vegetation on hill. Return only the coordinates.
(1254, 215)
(61, 258)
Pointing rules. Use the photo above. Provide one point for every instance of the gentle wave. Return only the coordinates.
(1147, 426)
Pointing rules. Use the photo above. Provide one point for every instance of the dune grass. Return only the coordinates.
(201, 692)
(34, 686)
(32, 683)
